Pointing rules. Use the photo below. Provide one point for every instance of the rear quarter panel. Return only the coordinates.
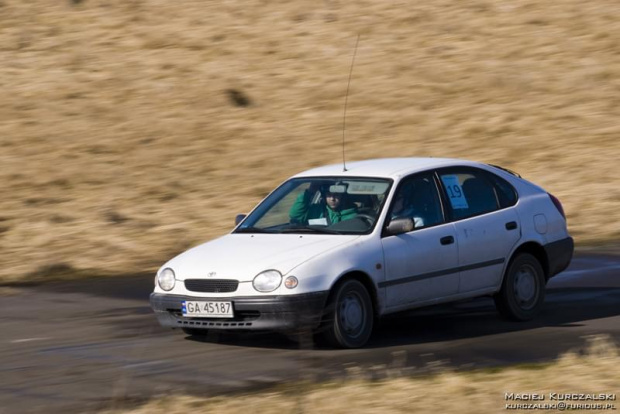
(535, 205)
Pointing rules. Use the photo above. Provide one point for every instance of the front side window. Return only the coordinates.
(417, 198)
(469, 192)
(332, 205)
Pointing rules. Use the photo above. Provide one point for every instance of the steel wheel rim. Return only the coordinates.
(525, 287)
(352, 314)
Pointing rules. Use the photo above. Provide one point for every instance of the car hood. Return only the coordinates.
(243, 256)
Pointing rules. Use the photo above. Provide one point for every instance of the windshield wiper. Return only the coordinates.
(253, 230)
(308, 229)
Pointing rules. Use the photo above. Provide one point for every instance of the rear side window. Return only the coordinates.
(469, 192)
(506, 194)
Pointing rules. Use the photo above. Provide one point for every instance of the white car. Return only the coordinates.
(332, 250)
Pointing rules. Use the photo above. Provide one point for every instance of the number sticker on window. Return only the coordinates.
(455, 191)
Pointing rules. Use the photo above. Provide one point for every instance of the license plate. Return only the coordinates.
(195, 309)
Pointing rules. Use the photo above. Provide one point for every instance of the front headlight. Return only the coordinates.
(165, 279)
(267, 281)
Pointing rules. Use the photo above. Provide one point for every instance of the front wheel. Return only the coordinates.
(523, 290)
(349, 316)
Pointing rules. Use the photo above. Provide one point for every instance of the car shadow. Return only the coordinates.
(250, 339)
(564, 308)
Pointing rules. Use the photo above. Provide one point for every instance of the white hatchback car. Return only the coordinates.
(332, 250)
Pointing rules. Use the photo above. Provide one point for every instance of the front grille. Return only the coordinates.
(211, 285)
(207, 324)
(240, 316)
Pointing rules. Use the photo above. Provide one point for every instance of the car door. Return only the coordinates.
(421, 265)
(487, 226)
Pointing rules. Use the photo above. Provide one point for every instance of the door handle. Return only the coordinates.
(446, 240)
(512, 225)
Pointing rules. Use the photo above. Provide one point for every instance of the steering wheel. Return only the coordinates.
(367, 218)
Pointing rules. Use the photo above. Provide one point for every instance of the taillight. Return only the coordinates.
(557, 204)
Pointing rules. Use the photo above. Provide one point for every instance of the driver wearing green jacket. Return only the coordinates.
(330, 210)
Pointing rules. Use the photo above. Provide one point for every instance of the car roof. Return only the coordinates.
(385, 167)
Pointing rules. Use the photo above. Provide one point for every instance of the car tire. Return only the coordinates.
(195, 331)
(349, 316)
(523, 290)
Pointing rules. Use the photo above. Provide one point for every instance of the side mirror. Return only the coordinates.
(399, 226)
(239, 218)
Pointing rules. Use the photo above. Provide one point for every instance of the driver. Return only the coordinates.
(403, 206)
(329, 210)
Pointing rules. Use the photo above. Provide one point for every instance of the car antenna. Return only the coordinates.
(346, 99)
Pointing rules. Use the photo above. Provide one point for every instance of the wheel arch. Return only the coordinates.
(365, 280)
(536, 250)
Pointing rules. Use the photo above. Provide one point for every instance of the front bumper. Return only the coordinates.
(274, 313)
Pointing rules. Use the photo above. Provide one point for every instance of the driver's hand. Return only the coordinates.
(314, 187)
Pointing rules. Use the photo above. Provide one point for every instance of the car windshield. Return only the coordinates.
(329, 205)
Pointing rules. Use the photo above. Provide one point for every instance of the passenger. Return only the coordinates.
(331, 209)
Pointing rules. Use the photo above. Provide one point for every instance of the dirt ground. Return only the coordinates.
(133, 129)
(550, 388)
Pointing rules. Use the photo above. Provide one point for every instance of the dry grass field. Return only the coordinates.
(597, 372)
(132, 129)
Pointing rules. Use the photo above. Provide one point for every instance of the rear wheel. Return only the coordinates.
(349, 316)
(523, 290)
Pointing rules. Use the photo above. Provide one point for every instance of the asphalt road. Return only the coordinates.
(90, 345)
